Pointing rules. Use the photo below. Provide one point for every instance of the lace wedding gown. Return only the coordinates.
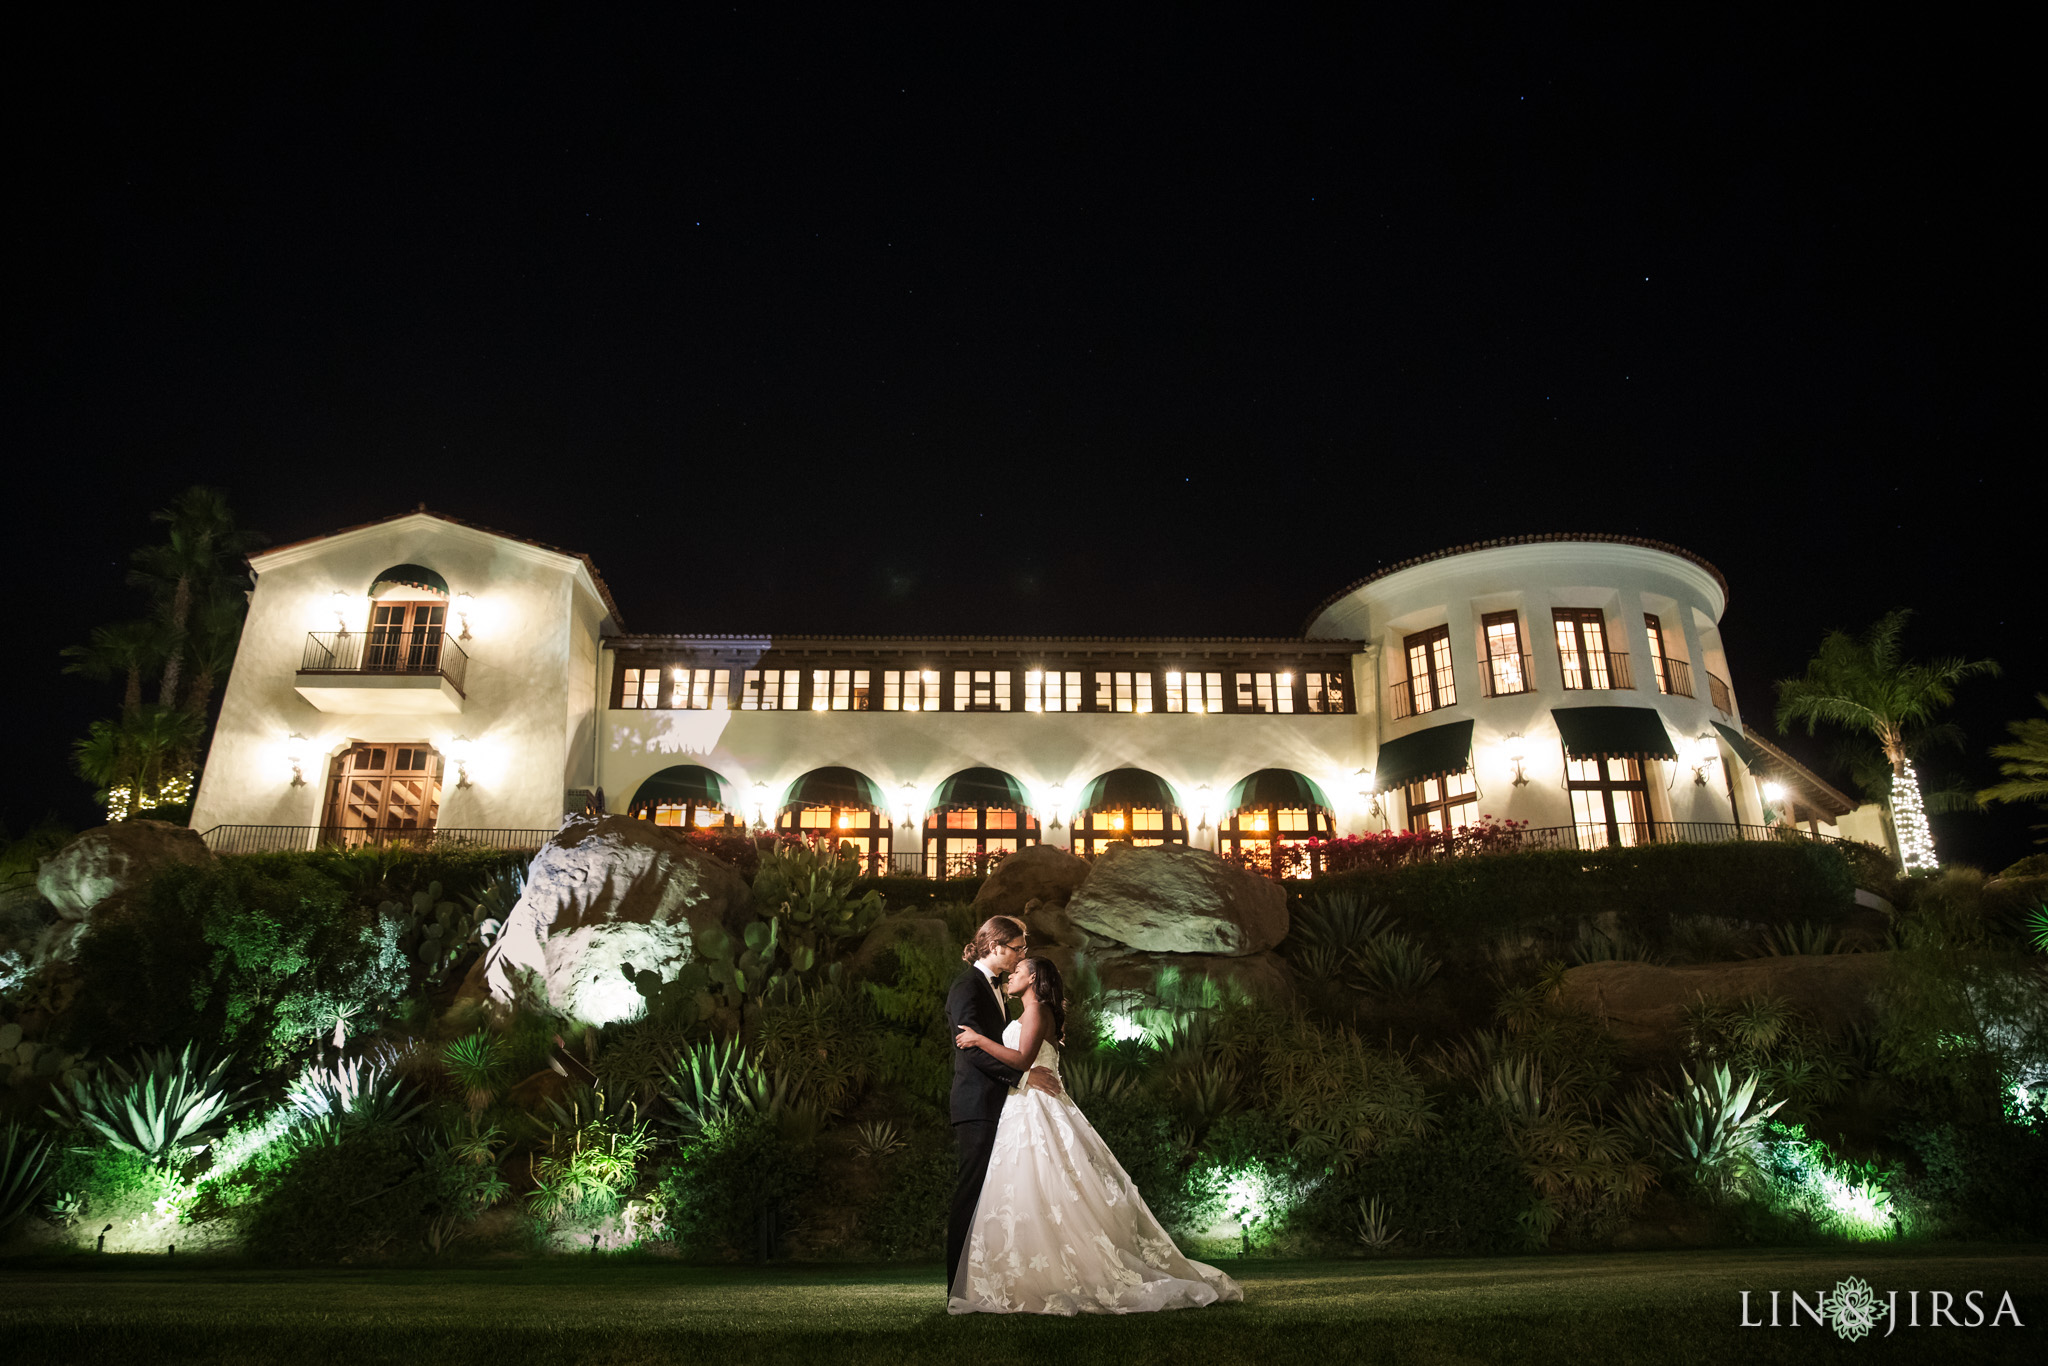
(1060, 1229)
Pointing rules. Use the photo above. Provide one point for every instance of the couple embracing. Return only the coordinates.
(1044, 1219)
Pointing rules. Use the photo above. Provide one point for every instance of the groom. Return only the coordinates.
(980, 1083)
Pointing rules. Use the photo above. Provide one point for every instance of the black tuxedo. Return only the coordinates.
(980, 1084)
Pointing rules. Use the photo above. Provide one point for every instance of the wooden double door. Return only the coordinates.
(405, 637)
(384, 787)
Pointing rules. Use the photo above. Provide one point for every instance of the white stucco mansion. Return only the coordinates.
(422, 674)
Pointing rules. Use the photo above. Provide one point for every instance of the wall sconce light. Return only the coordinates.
(1517, 751)
(464, 605)
(1202, 806)
(295, 755)
(1704, 758)
(909, 803)
(339, 605)
(1367, 790)
(760, 806)
(460, 750)
(1059, 797)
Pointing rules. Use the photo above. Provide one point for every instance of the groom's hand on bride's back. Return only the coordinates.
(1045, 1079)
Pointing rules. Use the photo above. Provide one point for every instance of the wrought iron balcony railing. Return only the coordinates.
(425, 650)
(1507, 675)
(1596, 672)
(1414, 696)
(1674, 677)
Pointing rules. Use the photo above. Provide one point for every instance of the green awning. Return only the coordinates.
(980, 787)
(1617, 732)
(836, 786)
(1425, 754)
(1281, 787)
(684, 784)
(408, 576)
(1744, 747)
(1122, 787)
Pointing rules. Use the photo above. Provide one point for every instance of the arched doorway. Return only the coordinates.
(977, 816)
(1127, 804)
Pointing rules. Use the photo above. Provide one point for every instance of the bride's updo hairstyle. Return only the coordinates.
(1051, 994)
(995, 932)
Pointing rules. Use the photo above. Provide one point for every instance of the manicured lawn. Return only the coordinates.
(1585, 1311)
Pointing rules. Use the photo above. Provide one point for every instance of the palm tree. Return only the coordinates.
(126, 650)
(139, 762)
(210, 645)
(2026, 764)
(1864, 684)
(200, 554)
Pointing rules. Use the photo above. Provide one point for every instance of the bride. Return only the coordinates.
(1060, 1229)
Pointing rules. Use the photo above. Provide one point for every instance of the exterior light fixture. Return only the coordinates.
(295, 755)
(1707, 753)
(1517, 751)
(1058, 801)
(460, 750)
(1774, 792)
(339, 604)
(909, 803)
(1367, 790)
(760, 806)
(1202, 806)
(464, 605)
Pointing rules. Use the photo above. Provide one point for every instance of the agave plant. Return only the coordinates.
(1712, 1124)
(1397, 964)
(710, 1081)
(476, 1063)
(877, 1138)
(24, 1172)
(1089, 1082)
(349, 1093)
(171, 1101)
(1803, 937)
(1372, 1226)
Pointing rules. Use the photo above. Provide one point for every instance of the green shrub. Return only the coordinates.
(1139, 1128)
(1469, 898)
(732, 1180)
(907, 1217)
(1459, 1189)
(1982, 1177)
(921, 894)
(378, 1192)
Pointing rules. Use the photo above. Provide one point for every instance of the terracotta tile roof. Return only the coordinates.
(603, 591)
(1540, 538)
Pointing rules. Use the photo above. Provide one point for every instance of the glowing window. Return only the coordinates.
(770, 690)
(700, 689)
(981, 690)
(640, 688)
(1052, 690)
(1324, 692)
(910, 690)
(1582, 647)
(1442, 802)
(1265, 692)
(1429, 684)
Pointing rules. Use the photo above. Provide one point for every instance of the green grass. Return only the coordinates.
(1582, 1310)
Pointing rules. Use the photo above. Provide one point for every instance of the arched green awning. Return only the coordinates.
(836, 786)
(1121, 787)
(980, 787)
(1424, 754)
(1276, 787)
(684, 784)
(414, 576)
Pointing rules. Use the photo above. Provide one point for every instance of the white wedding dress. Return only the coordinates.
(1060, 1229)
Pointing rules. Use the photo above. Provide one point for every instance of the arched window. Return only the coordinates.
(1127, 804)
(1274, 811)
(977, 815)
(408, 618)
(839, 806)
(688, 795)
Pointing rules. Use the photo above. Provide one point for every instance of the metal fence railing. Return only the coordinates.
(425, 650)
(1674, 677)
(1506, 675)
(272, 839)
(1599, 671)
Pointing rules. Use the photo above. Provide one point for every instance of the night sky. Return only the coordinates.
(1012, 324)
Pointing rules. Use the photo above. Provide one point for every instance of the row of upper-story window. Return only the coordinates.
(1582, 637)
(857, 688)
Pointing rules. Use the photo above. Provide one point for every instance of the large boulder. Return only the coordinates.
(113, 861)
(927, 933)
(1644, 1003)
(1034, 885)
(1170, 898)
(1263, 976)
(604, 892)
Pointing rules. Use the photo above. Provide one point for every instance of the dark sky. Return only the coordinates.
(1007, 324)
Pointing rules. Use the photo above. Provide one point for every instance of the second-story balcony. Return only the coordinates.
(1596, 672)
(384, 670)
(1674, 676)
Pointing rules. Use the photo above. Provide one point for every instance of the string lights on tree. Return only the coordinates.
(1909, 818)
